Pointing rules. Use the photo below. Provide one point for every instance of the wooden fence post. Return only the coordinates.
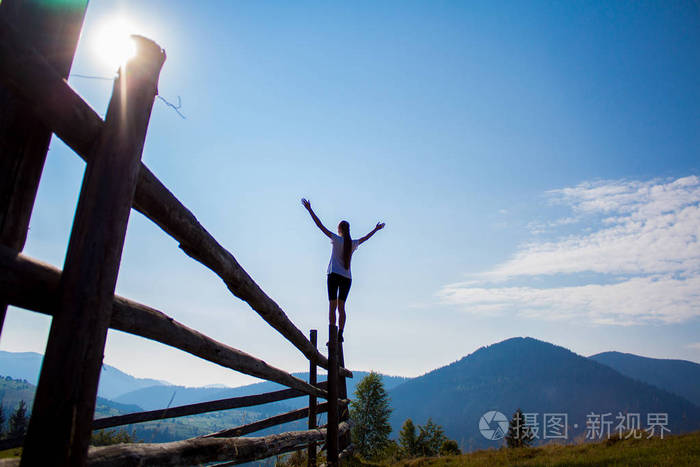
(342, 386)
(24, 141)
(344, 440)
(332, 433)
(60, 426)
(311, 455)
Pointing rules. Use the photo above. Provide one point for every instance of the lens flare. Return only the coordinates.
(113, 43)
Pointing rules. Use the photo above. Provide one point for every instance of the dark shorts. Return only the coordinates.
(338, 287)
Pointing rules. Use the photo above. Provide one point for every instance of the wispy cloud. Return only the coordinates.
(642, 236)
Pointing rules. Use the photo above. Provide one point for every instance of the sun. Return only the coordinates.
(113, 43)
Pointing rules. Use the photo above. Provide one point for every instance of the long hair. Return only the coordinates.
(344, 228)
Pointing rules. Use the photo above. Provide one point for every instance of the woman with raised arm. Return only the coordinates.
(339, 277)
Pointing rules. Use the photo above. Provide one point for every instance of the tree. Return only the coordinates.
(391, 453)
(519, 434)
(2, 422)
(18, 421)
(108, 437)
(407, 439)
(430, 438)
(450, 448)
(370, 412)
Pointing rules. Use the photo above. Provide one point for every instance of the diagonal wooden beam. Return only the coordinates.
(197, 451)
(33, 285)
(78, 125)
(199, 408)
(64, 405)
(181, 411)
(267, 422)
(24, 141)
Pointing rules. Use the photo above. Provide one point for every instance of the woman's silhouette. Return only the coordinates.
(339, 276)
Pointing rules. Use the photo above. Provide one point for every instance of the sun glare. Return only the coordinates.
(113, 43)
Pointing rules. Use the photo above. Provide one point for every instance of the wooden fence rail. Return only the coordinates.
(33, 285)
(25, 141)
(200, 450)
(200, 408)
(195, 409)
(266, 422)
(79, 126)
(70, 371)
(81, 298)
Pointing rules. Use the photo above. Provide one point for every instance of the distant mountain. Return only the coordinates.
(679, 377)
(113, 382)
(537, 377)
(13, 390)
(158, 397)
(153, 394)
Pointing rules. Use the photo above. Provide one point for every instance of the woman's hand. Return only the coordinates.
(379, 226)
(307, 204)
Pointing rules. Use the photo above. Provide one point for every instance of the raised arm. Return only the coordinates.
(307, 204)
(379, 226)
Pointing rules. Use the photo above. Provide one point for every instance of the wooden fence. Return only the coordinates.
(37, 44)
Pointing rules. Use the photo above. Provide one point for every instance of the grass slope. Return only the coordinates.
(678, 450)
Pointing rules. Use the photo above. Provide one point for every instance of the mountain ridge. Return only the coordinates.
(680, 377)
(520, 372)
(537, 377)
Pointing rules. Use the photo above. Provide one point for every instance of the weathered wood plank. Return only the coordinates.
(267, 422)
(60, 427)
(311, 450)
(197, 451)
(194, 409)
(44, 91)
(78, 126)
(343, 440)
(332, 433)
(199, 408)
(33, 285)
(181, 411)
(24, 140)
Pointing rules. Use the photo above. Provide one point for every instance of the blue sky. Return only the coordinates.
(536, 164)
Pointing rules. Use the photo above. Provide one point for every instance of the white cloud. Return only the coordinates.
(693, 346)
(645, 240)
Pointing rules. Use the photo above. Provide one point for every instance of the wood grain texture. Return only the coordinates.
(332, 433)
(33, 285)
(311, 449)
(60, 426)
(24, 139)
(196, 451)
(266, 423)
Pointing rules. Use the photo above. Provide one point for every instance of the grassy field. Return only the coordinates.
(681, 450)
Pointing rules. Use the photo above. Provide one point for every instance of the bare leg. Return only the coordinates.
(341, 315)
(331, 312)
